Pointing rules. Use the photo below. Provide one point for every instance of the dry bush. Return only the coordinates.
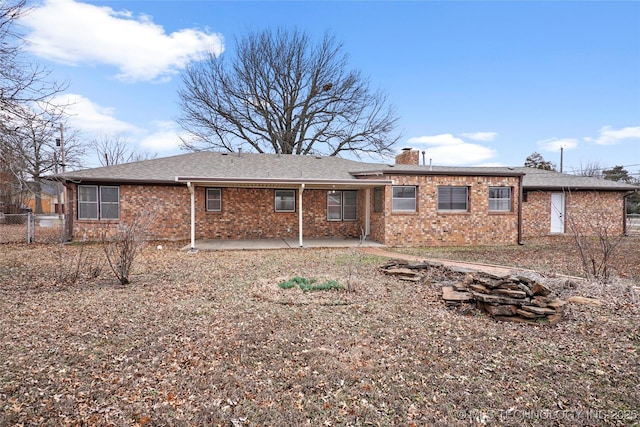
(124, 245)
(596, 242)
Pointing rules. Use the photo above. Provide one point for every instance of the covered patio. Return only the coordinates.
(257, 244)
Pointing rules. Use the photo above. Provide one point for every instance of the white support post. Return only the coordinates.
(300, 214)
(193, 215)
(367, 212)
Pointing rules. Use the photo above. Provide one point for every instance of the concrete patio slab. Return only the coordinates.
(256, 244)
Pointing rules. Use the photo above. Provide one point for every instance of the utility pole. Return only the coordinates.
(561, 157)
(61, 198)
(60, 143)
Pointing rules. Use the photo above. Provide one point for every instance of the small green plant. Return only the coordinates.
(310, 284)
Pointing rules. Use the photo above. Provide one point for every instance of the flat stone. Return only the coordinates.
(540, 301)
(460, 287)
(557, 303)
(415, 278)
(509, 293)
(497, 299)
(539, 310)
(501, 310)
(494, 276)
(585, 300)
(525, 280)
(524, 288)
(507, 284)
(400, 271)
(477, 287)
(487, 283)
(540, 289)
(528, 314)
(448, 294)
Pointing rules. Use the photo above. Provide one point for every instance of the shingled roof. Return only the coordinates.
(212, 166)
(207, 165)
(539, 179)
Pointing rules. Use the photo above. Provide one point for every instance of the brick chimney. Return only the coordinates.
(408, 157)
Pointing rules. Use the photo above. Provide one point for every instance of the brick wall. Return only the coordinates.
(169, 203)
(588, 211)
(250, 214)
(429, 227)
(246, 214)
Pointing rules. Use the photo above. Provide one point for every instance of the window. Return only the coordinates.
(453, 198)
(285, 201)
(500, 199)
(342, 205)
(404, 199)
(98, 202)
(214, 199)
(377, 200)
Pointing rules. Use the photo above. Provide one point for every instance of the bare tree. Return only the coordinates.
(32, 144)
(21, 81)
(283, 93)
(12, 196)
(115, 149)
(591, 169)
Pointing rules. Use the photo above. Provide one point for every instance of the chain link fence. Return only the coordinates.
(31, 228)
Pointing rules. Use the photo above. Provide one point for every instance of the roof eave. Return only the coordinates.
(432, 172)
(576, 188)
(283, 181)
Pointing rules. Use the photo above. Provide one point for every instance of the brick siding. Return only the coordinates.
(247, 213)
(429, 227)
(590, 212)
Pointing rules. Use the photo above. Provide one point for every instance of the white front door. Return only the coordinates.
(557, 212)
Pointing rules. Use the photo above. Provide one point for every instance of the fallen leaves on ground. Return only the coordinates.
(209, 338)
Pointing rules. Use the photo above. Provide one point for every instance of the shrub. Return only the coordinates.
(309, 284)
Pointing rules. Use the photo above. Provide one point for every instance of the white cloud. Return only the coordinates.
(554, 144)
(480, 136)
(91, 118)
(74, 33)
(610, 136)
(164, 138)
(446, 149)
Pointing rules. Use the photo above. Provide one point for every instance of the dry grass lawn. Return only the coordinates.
(210, 339)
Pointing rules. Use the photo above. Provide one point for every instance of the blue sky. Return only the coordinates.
(474, 83)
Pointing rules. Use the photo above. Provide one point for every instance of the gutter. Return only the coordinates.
(286, 181)
(393, 171)
(520, 201)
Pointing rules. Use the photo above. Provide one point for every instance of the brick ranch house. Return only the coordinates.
(213, 195)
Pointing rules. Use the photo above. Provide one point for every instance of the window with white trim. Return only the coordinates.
(404, 198)
(285, 200)
(342, 205)
(455, 199)
(500, 199)
(98, 202)
(214, 199)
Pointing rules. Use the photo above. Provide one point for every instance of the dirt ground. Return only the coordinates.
(210, 338)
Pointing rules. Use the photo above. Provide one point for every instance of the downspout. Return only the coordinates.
(300, 214)
(193, 215)
(520, 201)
